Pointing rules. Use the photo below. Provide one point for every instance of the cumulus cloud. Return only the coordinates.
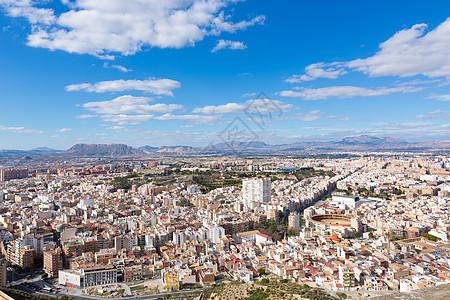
(228, 108)
(199, 119)
(123, 119)
(26, 9)
(340, 118)
(86, 116)
(248, 95)
(414, 129)
(313, 115)
(437, 114)
(409, 52)
(345, 92)
(130, 105)
(117, 67)
(225, 44)
(64, 130)
(250, 105)
(154, 86)
(439, 97)
(116, 128)
(19, 129)
(319, 70)
(99, 27)
(128, 110)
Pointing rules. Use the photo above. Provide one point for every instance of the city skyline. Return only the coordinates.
(181, 72)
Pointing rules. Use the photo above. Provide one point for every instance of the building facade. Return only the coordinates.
(8, 174)
(256, 191)
(87, 277)
(53, 262)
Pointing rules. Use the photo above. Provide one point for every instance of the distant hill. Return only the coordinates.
(369, 140)
(238, 145)
(436, 145)
(148, 149)
(44, 149)
(357, 143)
(354, 143)
(113, 150)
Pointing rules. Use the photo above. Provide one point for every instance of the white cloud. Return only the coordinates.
(345, 92)
(221, 23)
(418, 82)
(86, 116)
(99, 27)
(439, 97)
(254, 104)
(128, 110)
(225, 44)
(117, 67)
(154, 86)
(122, 119)
(407, 53)
(19, 130)
(313, 115)
(25, 9)
(318, 70)
(198, 119)
(130, 105)
(248, 95)
(228, 108)
(411, 52)
(116, 128)
(340, 118)
(64, 130)
(415, 129)
(121, 68)
(437, 114)
(159, 137)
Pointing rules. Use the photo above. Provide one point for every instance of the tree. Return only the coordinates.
(341, 295)
(430, 237)
(262, 271)
(44, 275)
(370, 235)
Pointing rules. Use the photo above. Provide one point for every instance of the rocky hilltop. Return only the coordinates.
(370, 140)
(354, 143)
(101, 150)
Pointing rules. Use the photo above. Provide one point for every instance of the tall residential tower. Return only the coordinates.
(255, 192)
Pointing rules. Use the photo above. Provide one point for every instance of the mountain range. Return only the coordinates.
(356, 143)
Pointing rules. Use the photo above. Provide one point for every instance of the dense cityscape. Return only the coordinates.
(360, 225)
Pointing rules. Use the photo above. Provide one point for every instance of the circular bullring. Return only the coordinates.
(331, 220)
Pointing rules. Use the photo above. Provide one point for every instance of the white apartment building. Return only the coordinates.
(294, 221)
(87, 277)
(255, 192)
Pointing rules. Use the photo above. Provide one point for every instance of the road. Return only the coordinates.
(18, 284)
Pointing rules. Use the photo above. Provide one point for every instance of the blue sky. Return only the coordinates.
(181, 71)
